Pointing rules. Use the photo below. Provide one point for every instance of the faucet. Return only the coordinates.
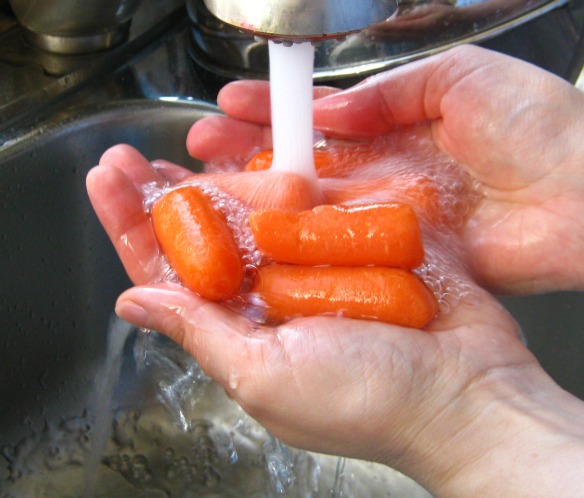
(301, 20)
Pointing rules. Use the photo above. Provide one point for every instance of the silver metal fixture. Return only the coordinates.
(302, 19)
(417, 29)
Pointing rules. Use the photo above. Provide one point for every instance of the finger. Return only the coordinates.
(118, 204)
(138, 169)
(246, 100)
(200, 327)
(131, 162)
(250, 100)
(220, 137)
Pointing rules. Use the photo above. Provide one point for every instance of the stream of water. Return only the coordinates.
(291, 87)
(117, 336)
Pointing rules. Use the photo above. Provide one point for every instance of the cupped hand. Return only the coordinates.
(515, 128)
(361, 389)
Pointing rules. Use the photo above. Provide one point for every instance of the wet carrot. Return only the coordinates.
(390, 295)
(418, 192)
(267, 189)
(385, 234)
(343, 183)
(198, 244)
(335, 163)
(261, 161)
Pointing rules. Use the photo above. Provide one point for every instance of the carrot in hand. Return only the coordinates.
(344, 180)
(391, 295)
(263, 160)
(419, 192)
(384, 234)
(198, 244)
(337, 163)
(267, 189)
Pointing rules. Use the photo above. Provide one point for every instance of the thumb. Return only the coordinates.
(202, 328)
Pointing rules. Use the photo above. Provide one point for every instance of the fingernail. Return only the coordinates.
(133, 313)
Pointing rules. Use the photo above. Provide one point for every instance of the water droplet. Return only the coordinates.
(234, 379)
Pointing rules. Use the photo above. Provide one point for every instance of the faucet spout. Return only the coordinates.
(302, 20)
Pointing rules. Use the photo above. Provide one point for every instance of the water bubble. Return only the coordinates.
(140, 470)
(234, 379)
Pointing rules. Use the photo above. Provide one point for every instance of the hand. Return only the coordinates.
(513, 127)
(441, 407)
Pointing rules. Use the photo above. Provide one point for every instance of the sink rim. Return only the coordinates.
(85, 115)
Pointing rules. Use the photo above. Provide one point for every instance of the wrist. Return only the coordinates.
(511, 433)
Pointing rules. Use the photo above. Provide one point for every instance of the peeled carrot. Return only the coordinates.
(391, 295)
(342, 184)
(261, 161)
(265, 189)
(419, 192)
(335, 163)
(385, 234)
(198, 244)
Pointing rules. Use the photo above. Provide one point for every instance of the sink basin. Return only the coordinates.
(59, 281)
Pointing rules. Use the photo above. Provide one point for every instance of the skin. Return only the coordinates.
(465, 410)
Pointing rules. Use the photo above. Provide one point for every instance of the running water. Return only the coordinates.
(291, 69)
(291, 97)
(118, 333)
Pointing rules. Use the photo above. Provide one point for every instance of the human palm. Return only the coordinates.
(326, 384)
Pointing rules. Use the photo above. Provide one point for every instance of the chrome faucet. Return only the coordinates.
(298, 20)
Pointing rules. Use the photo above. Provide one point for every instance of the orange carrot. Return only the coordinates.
(342, 184)
(335, 163)
(419, 192)
(266, 189)
(391, 295)
(385, 234)
(198, 244)
(261, 161)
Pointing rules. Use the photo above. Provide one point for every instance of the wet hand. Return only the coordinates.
(400, 396)
(513, 127)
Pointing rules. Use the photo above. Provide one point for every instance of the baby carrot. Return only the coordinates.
(419, 192)
(267, 189)
(198, 244)
(391, 295)
(384, 234)
(343, 181)
(336, 163)
(261, 161)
